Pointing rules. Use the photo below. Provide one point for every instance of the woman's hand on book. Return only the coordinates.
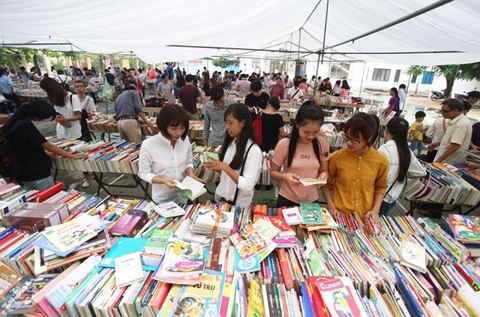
(215, 165)
(291, 179)
(373, 216)
(170, 183)
(80, 156)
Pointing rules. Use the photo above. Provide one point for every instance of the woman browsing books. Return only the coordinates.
(402, 161)
(240, 161)
(31, 165)
(166, 158)
(357, 174)
(69, 109)
(303, 155)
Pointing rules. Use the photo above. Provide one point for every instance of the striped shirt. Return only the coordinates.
(214, 123)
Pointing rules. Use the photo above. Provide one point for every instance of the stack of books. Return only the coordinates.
(103, 157)
(442, 186)
(214, 219)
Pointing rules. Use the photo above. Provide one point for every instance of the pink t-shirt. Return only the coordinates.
(304, 164)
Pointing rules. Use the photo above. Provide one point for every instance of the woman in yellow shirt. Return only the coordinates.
(357, 174)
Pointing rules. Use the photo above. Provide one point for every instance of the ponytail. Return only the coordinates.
(398, 129)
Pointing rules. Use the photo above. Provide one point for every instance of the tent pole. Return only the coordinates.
(299, 42)
(325, 30)
(363, 77)
(409, 16)
(316, 73)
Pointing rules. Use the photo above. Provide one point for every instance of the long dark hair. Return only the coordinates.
(398, 129)
(307, 112)
(345, 84)
(240, 112)
(38, 109)
(55, 92)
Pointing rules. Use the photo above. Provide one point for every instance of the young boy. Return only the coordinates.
(415, 134)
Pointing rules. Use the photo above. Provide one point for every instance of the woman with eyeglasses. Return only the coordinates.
(402, 161)
(357, 174)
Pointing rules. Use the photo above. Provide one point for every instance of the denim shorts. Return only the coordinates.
(39, 184)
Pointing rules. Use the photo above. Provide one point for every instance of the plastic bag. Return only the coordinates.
(107, 90)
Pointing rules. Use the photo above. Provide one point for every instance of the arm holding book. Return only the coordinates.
(50, 147)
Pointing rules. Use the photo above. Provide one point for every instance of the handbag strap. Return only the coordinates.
(296, 92)
(391, 186)
(241, 172)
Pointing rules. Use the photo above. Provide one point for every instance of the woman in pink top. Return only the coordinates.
(304, 155)
(344, 90)
(277, 90)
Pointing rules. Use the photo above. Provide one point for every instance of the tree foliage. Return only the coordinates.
(416, 70)
(460, 71)
(225, 62)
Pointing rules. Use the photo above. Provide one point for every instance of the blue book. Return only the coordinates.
(307, 304)
(122, 247)
(409, 299)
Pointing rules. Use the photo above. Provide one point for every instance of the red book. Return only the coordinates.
(217, 243)
(160, 295)
(285, 268)
(319, 307)
(49, 192)
(11, 240)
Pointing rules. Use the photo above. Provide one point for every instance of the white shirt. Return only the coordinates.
(459, 131)
(246, 183)
(415, 169)
(87, 103)
(437, 130)
(159, 158)
(291, 92)
(402, 95)
(74, 131)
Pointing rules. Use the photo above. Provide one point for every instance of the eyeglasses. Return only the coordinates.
(352, 140)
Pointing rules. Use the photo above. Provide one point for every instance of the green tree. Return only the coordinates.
(461, 71)
(416, 70)
(224, 62)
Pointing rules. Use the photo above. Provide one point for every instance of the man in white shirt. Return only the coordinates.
(457, 136)
(435, 132)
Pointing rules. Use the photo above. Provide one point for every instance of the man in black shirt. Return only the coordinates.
(256, 97)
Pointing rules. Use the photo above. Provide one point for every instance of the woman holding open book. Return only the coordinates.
(240, 161)
(166, 158)
(303, 156)
(358, 173)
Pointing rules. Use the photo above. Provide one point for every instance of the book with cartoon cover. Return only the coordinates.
(182, 263)
(248, 242)
(200, 300)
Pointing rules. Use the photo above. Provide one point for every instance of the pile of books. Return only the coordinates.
(104, 157)
(442, 186)
(119, 257)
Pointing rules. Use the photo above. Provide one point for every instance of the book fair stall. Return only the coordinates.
(120, 247)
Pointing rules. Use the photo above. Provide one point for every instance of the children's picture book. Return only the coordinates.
(466, 229)
(201, 300)
(265, 228)
(248, 242)
(170, 209)
(292, 216)
(69, 235)
(157, 241)
(183, 263)
(340, 297)
(413, 256)
(124, 246)
(311, 213)
(190, 188)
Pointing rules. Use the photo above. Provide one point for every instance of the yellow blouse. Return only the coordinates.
(355, 179)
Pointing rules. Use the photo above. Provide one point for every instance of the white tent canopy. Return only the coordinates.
(148, 27)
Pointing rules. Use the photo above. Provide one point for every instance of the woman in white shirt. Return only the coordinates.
(68, 109)
(166, 157)
(401, 159)
(240, 161)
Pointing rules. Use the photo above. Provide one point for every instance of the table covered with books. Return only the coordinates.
(66, 253)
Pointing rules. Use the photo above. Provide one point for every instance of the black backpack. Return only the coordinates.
(10, 165)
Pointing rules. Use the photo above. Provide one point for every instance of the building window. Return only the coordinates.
(427, 78)
(414, 79)
(381, 74)
(397, 75)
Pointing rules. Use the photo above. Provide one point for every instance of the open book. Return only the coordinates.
(307, 181)
(191, 188)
